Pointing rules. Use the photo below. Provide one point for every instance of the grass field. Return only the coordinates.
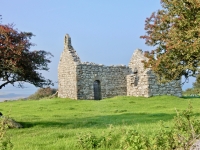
(56, 124)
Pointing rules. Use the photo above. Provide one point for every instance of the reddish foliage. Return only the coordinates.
(17, 63)
(174, 33)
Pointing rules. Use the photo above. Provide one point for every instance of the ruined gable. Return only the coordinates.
(144, 82)
(67, 86)
(136, 61)
(137, 81)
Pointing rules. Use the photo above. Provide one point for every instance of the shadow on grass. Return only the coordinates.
(102, 121)
(190, 97)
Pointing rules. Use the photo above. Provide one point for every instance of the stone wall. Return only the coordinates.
(138, 85)
(170, 88)
(67, 78)
(137, 81)
(135, 63)
(112, 80)
(143, 82)
(78, 80)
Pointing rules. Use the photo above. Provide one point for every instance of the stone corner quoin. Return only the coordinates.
(87, 80)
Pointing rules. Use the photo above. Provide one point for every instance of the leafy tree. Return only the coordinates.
(174, 33)
(195, 88)
(196, 84)
(17, 62)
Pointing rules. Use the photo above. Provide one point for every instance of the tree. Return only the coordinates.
(174, 32)
(194, 90)
(17, 62)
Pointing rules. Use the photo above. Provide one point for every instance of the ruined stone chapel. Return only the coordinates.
(83, 80)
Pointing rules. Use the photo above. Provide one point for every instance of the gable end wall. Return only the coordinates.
(67, 68)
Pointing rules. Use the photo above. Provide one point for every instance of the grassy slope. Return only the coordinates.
(55, 123)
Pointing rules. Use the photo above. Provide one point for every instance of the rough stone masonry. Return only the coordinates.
(84, 80)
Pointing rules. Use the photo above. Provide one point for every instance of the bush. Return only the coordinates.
(192, 91)
(134, 140)
(5, 142)
(88, 141)
(108, 140)
(186, 127)
(182, 135)
(42, 92)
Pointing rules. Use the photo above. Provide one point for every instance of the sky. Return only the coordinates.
(102, 31)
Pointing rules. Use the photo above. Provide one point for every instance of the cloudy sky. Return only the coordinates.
(102, 31)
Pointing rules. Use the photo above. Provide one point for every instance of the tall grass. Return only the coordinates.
(58, 123)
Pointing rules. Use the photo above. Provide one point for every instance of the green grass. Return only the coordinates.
(56, 123)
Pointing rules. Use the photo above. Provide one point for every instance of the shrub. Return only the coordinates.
(186, 127)
(5, 142)
(42, 92)
(182, 135)
(108, 140)
(88, 141)
(163, 139)
(192, 91)
(134, 140)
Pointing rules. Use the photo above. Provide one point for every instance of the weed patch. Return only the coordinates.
(182, 135)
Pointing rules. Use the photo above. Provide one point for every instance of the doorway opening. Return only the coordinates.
(97, 90)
